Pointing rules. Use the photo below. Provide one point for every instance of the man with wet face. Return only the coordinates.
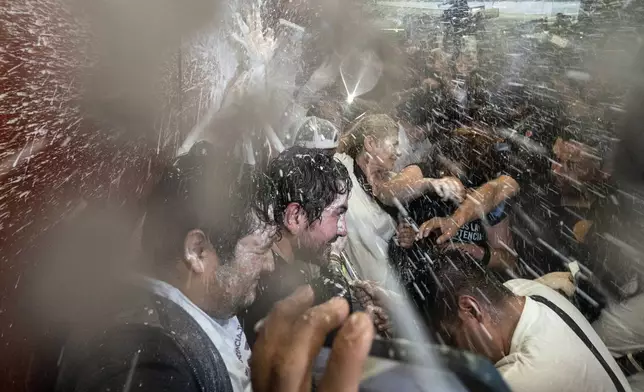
(207, 236)
(523, 327)
(311, 190)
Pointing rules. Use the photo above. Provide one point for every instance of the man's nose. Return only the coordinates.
(342, 227)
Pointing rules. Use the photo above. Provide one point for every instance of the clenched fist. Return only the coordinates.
(448, 188)
(406, 235)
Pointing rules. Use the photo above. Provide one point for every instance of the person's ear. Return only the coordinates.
(469, 309)
(370, 144)
(195, 245)
(295, 218)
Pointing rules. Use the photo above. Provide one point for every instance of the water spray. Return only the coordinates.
(360, 73)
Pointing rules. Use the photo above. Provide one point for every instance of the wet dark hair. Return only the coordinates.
(460, 275)
(308, 177)
(204, 190)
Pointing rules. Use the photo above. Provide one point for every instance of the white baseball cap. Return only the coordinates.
(318, 133)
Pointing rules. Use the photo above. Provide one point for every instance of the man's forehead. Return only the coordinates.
(340, 201)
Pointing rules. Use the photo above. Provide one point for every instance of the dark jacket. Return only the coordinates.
(143, 342)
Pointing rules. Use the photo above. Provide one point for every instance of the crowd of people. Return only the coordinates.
(499, 239)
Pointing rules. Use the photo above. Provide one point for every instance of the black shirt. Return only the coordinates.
(273, 287)
(283, 281)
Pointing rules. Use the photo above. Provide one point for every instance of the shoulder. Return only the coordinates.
(526, 287)
(147, 356)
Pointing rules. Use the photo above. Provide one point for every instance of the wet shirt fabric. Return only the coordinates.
(273, 287)
(546, 355)
(227, 335)
(370, 227)
(428, 207)
(283, 281)
(147, 334)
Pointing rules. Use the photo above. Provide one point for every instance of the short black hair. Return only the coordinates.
(207, 190)
(460, 274)
(309, 177)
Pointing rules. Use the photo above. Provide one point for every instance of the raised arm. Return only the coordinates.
(410, 184)
(482, 200)
(476, 205)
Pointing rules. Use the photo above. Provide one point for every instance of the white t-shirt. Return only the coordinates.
(369, 229)
(227, 335)
(546, 355)
(621, 325)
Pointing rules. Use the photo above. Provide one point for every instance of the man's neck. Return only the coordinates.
(510, 319)
(362, 160)
(189, 285)
(284, 248)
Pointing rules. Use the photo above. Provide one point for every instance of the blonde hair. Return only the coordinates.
(379, 126)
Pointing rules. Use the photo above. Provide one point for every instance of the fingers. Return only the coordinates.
(426, 228)
(366, 286)
(286, 310)
(568, 287)
(273, 332)
(562, 281)
(307, 337)
(380, 319)
(364, 299)
(350, 350)
(447, 226)
(405, 235)
(445, 236)
(460, 190)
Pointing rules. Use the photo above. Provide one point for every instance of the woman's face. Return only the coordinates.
(384, 152)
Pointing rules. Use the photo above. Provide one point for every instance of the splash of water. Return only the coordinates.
(250, 68)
